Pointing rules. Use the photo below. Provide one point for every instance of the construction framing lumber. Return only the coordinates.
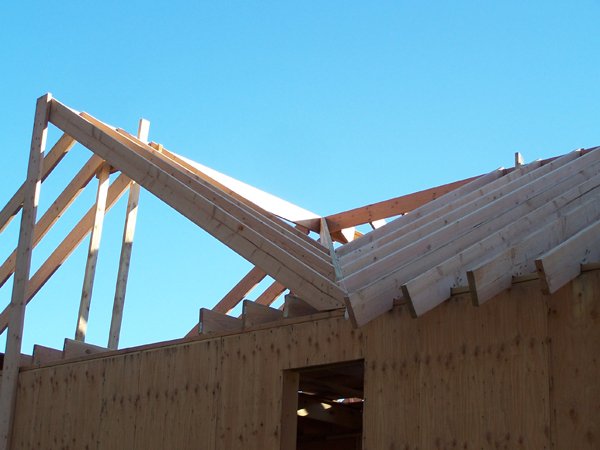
(67, 246)
(44, 355)
(94, 248)
(76, 349)
(58, 207)
(215, 322)
(494, 275)
(240, 290)
(295, 307)
(54, 156)
(272, 293)
(329, 412)
(126, 248)
(31, 195)
(390, 208)
(433, 286)
(256, 314)
(276, 261)
(563, 263)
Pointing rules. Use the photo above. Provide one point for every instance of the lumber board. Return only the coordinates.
(284, 234)
(563, 263)
(295, 307)
(498, 272)
(263, 202)
(31, 195)
(126, 249)
(256, 314)
(51, 160)
(284, 267)
(215, 322)
(433, 286)
(428, 208)
(75, 349)
(43, 355)
(240, 290)
(93, 250)
(424, 253)
(54, 212)
(325, 237)
(390, 208)
(329, 412)
(289, 408)
(67, 246)
(367, 264)
(272, 293)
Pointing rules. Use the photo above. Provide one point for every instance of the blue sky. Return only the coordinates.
(330, 105)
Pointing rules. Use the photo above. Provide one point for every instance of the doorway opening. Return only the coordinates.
(323, 407)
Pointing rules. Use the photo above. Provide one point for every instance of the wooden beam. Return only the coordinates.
(67, 246)
(295, 307)
(272, 293)
(31, 195)
(54, 156)
(258, 200)
(410, 261)
(44, 355)
(392, 251)
(126, 248)
(563, 263)
(390, 208)
(289, 410)
(77, 349)
(256, 314)
(94, 247)
(489, 278)
(279, 263)
(54, 212)
(519, 161)
(432, 287)
(240, 290)
(215, 322)
(328, 244)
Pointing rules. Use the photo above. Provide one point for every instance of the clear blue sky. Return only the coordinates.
(330, 105)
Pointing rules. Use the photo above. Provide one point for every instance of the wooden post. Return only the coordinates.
(10, 371)
(90, 267)
(126, 247)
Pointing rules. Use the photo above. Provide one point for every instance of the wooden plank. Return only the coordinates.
(390, 208)
(126, 248)
(433, 286)
(58, 207)
(94, 248)
(240, 290)
(289, 408)
(250, 213)
(272, 293)
(256, 314)
(258, 200)
(563, 263)
(498, 272)
(371, 258)
(214, 322)
(67, 246)
(329, 412)
(77, 349)
(287, 268)
(54, 156)
(328, 244)
(31, 195)
(295, 307)
(422, 254)
(43, 355)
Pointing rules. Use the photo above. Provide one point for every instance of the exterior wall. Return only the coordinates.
(522, 371)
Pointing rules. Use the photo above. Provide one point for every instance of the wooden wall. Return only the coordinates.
(521, 372)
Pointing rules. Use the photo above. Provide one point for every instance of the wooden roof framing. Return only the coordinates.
(478, 235)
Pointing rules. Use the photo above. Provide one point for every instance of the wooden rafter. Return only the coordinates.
(54, 156)
(251, 244)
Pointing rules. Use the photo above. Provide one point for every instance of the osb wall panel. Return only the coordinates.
(519, 372)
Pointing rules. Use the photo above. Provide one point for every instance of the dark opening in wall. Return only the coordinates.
(323, 407)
